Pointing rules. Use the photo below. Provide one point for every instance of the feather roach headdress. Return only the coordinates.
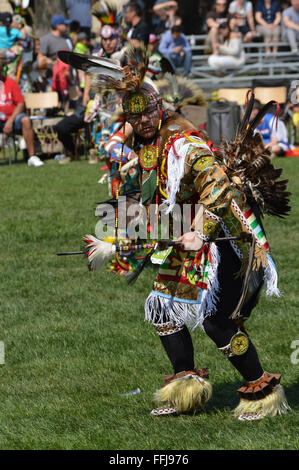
(128, 80)
(250, 167)
(109, 12)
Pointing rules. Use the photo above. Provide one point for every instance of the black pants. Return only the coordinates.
(66, 129)
(219, 327)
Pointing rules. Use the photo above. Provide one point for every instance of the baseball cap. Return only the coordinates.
(82, 35)
(153, 38)
(6, 17)
(58, 19)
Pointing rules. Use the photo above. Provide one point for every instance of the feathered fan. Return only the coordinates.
(178, 91)
(250, 166)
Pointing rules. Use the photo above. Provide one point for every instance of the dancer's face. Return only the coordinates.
(145, 124)
(110, 44)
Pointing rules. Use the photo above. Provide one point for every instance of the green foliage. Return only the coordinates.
(76, 340)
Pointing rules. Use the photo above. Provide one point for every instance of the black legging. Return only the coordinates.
(67, 127)
(219, 327)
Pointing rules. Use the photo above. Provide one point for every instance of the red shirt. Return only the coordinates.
(10, 96)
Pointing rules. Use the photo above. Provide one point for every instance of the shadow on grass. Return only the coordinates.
(225, 396)
(292, 395)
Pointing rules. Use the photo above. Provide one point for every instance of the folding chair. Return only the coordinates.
(266, 94)
(8, 147)
(234, 94)
(37, 104)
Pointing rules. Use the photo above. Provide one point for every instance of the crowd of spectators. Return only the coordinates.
(163, 25)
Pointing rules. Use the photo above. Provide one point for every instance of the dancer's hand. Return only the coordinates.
(190, 241)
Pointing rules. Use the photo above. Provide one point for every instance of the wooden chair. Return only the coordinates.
(234, 94)
(266, 94)
(39, 101)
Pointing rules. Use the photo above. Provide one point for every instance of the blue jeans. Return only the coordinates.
(178, 60)
(17, 125)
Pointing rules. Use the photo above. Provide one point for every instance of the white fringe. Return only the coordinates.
(210, 296)
(271, 279)
(159, 309)
(176, 168)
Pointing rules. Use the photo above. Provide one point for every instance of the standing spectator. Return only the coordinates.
(268, 18)
(74, 31)
(166, 11)
(154, 70)
(216, 16)
(18, 22)
(190, 13)
(291, 25)
(61, 80)
(79, 10)
(229, 53)
(139, 31)
(12, 116)
(86, 110)
(53, 42)
(176, 48)
(243, 12)
(81, 47)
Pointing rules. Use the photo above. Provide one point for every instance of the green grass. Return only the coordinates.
(76, 340)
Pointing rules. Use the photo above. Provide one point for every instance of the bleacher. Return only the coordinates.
(282, 65)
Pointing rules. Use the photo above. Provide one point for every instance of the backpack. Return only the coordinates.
(223, 118)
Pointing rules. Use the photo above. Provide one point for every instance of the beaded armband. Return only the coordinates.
(237, 346)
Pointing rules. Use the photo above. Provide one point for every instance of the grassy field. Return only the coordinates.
(75, 341)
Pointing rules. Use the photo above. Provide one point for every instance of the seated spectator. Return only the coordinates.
(290, 18)
(53, 42)
(166, 11)
(9, 35)
(139, 31)
(176, 48)
(275, 137)
(268, 18)
(216, 16)
(228, 52)
(12, 116)
(243, 12)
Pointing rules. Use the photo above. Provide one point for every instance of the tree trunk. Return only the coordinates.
(43, 10)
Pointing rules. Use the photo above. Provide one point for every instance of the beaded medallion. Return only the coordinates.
(148, 158)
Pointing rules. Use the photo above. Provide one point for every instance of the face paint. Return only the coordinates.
(145, 124)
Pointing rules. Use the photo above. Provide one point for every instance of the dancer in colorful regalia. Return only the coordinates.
(202, 280)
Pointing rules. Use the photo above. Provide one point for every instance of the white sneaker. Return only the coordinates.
(35, 161)
(60, 156)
